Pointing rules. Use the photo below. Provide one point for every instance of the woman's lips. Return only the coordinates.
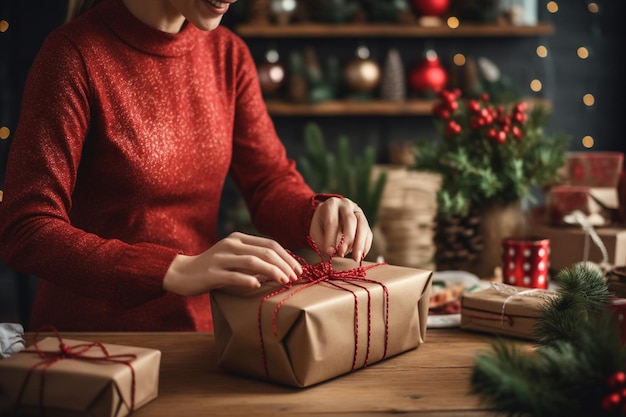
(218, 6)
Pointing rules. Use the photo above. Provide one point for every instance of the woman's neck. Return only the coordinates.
(158, 14)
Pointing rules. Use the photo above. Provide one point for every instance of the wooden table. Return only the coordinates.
(430, 381)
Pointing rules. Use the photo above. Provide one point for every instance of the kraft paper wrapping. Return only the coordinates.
(513, 312)
(315, 338)
(74, 387)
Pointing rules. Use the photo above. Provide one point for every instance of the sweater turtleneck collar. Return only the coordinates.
(143, 37)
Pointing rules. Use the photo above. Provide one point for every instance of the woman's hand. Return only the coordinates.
(237, 260)
(340, 217)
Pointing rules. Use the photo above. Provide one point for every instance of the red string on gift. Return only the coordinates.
(78, 352)
(323, 273)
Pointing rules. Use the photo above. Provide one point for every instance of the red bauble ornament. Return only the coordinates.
(431, 7)
(428, 77)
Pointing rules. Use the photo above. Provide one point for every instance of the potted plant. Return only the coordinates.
(491, 156)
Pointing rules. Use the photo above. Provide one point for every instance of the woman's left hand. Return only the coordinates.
(338, 218)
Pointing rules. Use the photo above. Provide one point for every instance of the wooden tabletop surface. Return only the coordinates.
(430, 381)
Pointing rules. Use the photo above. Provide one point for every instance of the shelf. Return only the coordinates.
(311, 30)
(412, 107)
(351, 108)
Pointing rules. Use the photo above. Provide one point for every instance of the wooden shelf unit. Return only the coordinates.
(411, 107)
(351, 108)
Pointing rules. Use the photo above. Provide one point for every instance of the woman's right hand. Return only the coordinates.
(237, 260)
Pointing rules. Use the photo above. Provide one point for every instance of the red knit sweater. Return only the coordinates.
(124, 142)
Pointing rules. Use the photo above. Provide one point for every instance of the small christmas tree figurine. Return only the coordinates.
(578, 369)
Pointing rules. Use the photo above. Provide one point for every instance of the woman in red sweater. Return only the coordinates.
(133, 115)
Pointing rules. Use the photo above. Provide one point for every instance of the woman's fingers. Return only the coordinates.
(362, 237)
(259, 256)
(339, 227)
(237, 260)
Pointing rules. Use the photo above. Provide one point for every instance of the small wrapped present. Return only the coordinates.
(569, 245)
(63, 377)
(616, 279)
(594, 169)
(504, 309)
(599, 205)
(342, 318)
(618, 307)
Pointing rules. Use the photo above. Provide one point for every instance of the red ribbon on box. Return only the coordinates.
(323, 272)
(78, 352)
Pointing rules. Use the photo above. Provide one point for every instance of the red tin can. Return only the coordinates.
(526, 261)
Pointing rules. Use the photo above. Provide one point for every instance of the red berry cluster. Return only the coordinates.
(497, 124)
(615, 402)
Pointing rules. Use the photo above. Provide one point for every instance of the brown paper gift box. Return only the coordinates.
(567, 244)
(593, 168)
(316, 327)
(617, 281)
(601, 203)
(483, 310)
(75, 387)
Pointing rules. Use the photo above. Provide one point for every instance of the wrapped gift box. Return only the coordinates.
(304, 336)
(598, 204)
(594, 169)
(567, 244)
(504, 309)
(79, 387)
(617, 281)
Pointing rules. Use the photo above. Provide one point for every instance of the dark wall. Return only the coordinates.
(29, 23)
(603, 73)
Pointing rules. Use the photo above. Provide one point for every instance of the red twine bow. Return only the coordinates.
(78, 352)
(320, 273)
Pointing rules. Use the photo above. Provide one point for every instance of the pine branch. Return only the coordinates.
(498, 379)
(569, 373)
(586, 282)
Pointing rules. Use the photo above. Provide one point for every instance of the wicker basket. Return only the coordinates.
(406, 217)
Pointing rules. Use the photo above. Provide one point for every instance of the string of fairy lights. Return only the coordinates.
(536, 84)
(583, 53)
(4, 130)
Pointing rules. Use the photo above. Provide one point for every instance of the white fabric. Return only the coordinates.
(11, 339)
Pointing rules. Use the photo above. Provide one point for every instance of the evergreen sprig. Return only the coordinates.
(583, 294)
(574, 370)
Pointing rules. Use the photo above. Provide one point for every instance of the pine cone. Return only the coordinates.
(458, 241)
(393, 83)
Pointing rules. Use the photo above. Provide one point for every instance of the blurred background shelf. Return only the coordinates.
(413, 107)
(371, 30)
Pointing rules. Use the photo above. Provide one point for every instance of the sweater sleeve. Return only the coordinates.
(281, 204)
(36, 235)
